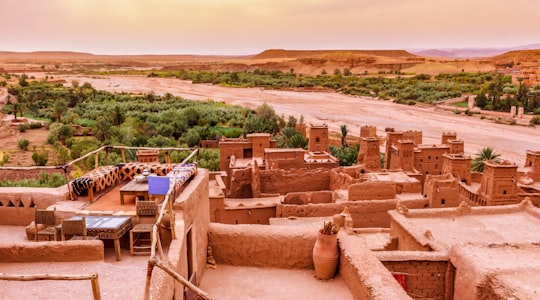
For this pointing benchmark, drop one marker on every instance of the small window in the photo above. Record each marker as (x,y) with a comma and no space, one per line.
(504,192)
(429,157)
(443,201)
(317,140)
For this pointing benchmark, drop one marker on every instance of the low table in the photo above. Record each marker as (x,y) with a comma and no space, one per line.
(107,228)
(134,187)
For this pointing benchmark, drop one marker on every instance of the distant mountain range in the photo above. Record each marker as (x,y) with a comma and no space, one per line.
(469,52)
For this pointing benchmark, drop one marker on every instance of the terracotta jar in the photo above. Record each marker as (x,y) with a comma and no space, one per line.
(325,255)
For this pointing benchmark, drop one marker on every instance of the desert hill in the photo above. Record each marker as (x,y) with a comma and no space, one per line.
(308,62)
(296,54)
(518,56)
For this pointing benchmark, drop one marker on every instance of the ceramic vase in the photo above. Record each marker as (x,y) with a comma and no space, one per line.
(325,256)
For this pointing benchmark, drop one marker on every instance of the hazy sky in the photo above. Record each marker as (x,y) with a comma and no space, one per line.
(251,26)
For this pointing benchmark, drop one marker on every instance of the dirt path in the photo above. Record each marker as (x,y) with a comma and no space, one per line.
(335,109)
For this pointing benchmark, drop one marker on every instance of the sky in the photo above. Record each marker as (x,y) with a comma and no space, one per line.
(236,27)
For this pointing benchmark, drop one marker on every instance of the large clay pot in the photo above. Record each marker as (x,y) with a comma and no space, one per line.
(325,256)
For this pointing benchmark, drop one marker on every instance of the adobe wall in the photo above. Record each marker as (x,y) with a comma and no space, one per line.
(299,198)
(287,247)
(425,278)
(252,215)
(406,242)
(342,177)
(17,204)
(191,213)
(364,274)
(24,252)
(370,190)
(240,186)
(302,180)
(364,213)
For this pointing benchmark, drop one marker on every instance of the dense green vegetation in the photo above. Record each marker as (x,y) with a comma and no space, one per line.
(124,119)
(406,89)
(45,180)
(500,94)
(135,120)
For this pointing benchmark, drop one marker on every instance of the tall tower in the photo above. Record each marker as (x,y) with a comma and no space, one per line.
(370,155)
(459,166)
(456,146)
(318,139)
(532,161)
(448,136)
(406,155)
(498,186)
(390,159)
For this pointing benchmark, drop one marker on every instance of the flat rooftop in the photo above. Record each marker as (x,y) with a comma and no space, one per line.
(515,224)
(512,269)
(238,282)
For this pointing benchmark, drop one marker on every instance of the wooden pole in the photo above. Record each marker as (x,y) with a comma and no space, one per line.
(149,269)
(96,160)
(123,155)
(92,277)
(183,281)
(95,288)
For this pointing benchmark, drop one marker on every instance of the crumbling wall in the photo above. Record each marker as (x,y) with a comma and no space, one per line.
(24,252)
(342,178)
(301,180)
(288,247)
(240,186)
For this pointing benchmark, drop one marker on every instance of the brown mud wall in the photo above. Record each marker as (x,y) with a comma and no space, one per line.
(17,204)
(425,279)
(287,247)
(364,213)
(366,277)
(25,252)
(191,214)
(302,180)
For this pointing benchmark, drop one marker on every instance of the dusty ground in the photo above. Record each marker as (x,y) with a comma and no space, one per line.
(335,109)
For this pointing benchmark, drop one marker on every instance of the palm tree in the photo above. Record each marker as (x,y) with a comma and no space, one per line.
(486,153)
(344,132)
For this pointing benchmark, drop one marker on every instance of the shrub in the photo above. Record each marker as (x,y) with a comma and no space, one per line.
(534,121)
(23,144)
(40,158)
(22,127)
(35,125)
(5,159)
(457,112)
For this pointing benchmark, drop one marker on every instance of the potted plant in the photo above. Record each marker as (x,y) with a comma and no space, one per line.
(325,251)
